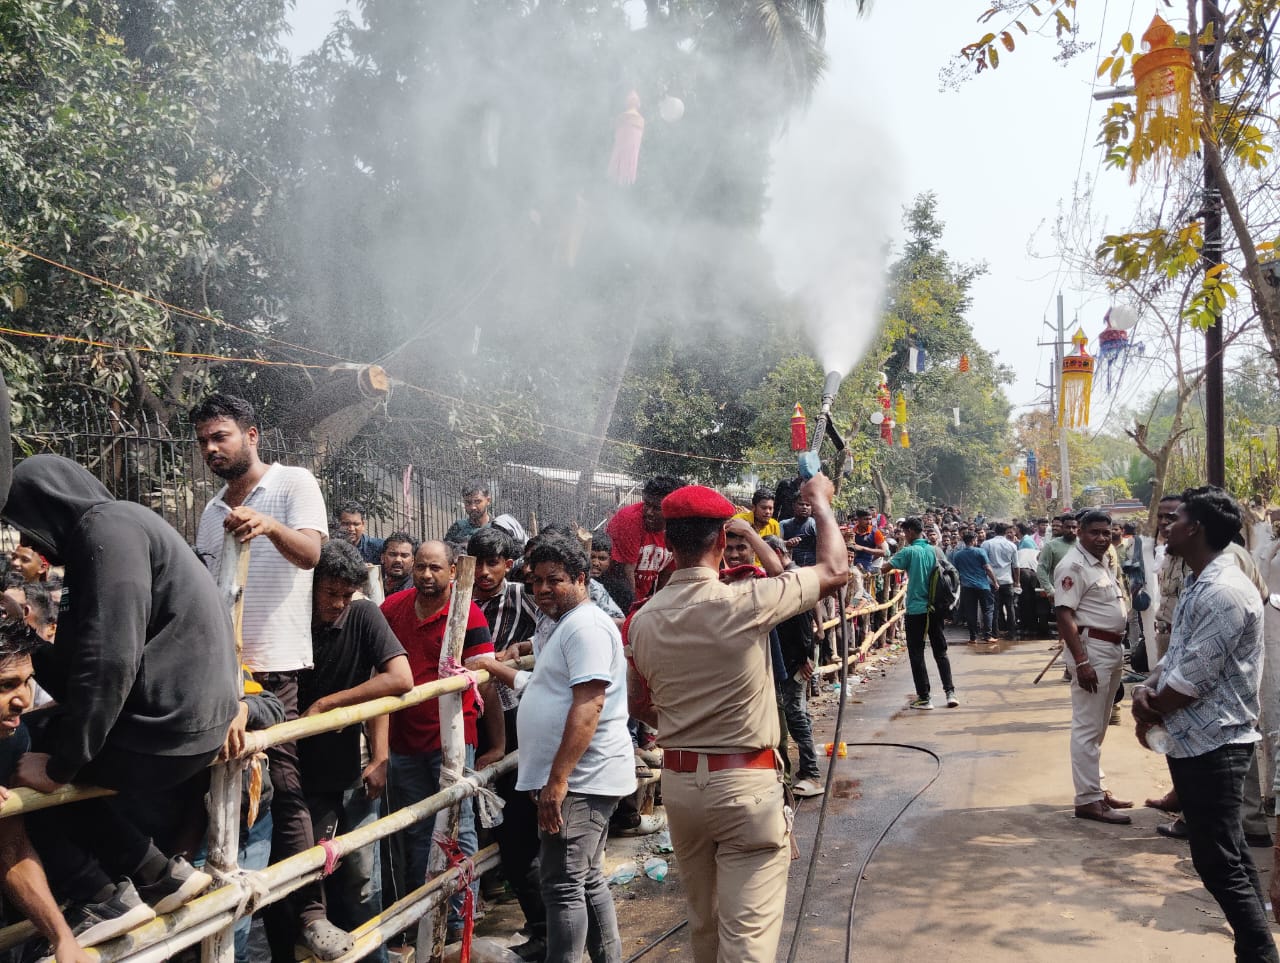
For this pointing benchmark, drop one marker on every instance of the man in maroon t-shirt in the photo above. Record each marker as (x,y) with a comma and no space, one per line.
(418,616)
(639,541)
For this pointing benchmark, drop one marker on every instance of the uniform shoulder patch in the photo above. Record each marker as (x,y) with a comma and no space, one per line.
(1066,582)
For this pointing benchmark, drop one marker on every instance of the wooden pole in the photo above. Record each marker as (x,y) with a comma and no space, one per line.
(432,928)
(225,781)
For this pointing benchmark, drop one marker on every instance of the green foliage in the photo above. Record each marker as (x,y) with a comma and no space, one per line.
(116,158)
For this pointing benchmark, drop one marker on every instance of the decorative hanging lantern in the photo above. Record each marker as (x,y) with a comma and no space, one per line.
(628,132)
(886,431)
(906,439)
(900,411)
(877,417)
(1076,384)
(1023,487)
(1031,464)
(964,364)
(1166,123)
(799,430)
(671,109)
(955,416)
(915,359)
(1008,472)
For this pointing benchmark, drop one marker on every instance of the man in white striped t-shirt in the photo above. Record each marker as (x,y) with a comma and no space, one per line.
(281,511)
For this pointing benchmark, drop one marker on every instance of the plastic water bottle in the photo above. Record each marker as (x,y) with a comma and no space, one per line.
(655,867)
(624,874)
(1159,740)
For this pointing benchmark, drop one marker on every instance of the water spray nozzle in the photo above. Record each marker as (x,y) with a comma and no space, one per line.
(810,462)
(829,389)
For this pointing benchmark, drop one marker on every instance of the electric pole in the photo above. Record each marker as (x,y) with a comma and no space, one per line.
(1211,254)
(1063,432)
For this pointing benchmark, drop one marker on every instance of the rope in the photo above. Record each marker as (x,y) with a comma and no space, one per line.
(450,667)
(331,857)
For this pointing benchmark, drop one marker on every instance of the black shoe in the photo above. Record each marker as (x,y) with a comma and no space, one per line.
(533,950)
(1174,830)
(180,882)
(94,923)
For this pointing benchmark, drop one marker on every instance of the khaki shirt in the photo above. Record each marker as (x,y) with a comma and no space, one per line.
(703,649)
(1090,588)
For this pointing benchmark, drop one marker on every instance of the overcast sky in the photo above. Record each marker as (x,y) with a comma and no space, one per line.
(1002,152)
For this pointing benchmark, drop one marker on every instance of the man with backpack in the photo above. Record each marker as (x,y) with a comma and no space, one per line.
(925,593)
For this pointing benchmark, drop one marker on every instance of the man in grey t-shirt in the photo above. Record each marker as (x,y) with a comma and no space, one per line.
(575,751)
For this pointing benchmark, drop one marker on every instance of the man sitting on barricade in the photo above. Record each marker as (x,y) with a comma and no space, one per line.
(145,676)
(357,658)
(22,878)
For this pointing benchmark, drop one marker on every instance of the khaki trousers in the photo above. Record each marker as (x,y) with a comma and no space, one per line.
(732,840)
(1090,716)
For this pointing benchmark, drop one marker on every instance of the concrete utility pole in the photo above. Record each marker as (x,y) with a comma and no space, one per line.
(1063,431)
(1211,254)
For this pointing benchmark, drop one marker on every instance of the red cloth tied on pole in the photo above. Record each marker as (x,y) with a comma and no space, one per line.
(456,857)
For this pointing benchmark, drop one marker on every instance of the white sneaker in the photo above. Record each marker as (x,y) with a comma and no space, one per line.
(806,788)
(952,701)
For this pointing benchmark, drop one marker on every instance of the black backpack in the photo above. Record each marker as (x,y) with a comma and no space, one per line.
(941,596)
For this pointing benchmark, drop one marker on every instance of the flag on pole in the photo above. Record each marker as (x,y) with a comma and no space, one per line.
(915,360)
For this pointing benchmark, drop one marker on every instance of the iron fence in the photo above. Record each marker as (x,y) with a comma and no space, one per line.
(144,461)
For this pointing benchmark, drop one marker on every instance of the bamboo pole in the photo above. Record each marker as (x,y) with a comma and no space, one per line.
(279,880)
(453,750)
(407,910)
(225,781)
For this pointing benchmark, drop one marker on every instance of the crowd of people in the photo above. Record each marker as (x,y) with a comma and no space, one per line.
(688,623)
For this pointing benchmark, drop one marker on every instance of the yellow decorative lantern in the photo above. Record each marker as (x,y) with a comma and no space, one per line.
(906,439)
(1166,122)
(900,411)
(1075,385)
(1023,487)
(1007,471)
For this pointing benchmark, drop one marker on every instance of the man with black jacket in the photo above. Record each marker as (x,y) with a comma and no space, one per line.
(145,675)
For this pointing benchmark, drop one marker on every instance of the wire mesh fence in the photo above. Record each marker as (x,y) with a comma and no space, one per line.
(144,461)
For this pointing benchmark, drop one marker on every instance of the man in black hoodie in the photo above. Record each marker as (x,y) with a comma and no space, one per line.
(144,673)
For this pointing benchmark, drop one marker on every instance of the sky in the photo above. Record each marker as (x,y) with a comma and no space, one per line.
(1003,153)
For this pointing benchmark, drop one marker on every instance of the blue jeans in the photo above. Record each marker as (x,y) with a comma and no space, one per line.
(1210,789)
(411,779)
(255,853)
(796,711)
(580,912)
(353,893)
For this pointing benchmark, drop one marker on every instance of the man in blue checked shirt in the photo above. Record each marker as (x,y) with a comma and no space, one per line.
(1204,693)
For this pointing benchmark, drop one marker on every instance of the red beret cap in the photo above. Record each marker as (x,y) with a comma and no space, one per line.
(696,501)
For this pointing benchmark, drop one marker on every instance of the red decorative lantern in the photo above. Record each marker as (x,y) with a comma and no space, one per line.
(628,132)
(799,430)
(964,364)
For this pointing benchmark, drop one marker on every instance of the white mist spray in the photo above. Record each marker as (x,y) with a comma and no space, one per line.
(833,201)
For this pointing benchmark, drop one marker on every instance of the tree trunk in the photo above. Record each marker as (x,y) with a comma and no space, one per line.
(884,494)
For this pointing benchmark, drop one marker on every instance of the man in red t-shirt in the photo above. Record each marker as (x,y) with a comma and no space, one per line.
(639,541)
(418,616)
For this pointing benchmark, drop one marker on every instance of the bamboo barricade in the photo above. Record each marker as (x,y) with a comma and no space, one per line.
(871,639)
(210,918)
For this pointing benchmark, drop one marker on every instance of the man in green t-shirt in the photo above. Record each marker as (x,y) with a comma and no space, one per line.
(918,560)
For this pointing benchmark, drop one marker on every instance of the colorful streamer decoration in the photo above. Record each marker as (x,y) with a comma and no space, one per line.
(1076,384)
(1166,123)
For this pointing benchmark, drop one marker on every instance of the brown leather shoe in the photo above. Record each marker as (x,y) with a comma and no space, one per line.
(1114,803)
(1099,812)
(1168,802)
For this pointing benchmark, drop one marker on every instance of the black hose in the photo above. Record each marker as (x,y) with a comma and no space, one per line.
(857,882)
(831,772)
(665,936)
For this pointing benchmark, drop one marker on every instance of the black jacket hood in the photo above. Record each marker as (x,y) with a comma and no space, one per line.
(48,497)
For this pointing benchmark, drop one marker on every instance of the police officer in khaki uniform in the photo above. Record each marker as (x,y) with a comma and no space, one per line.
(1092,609)
(702,650)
